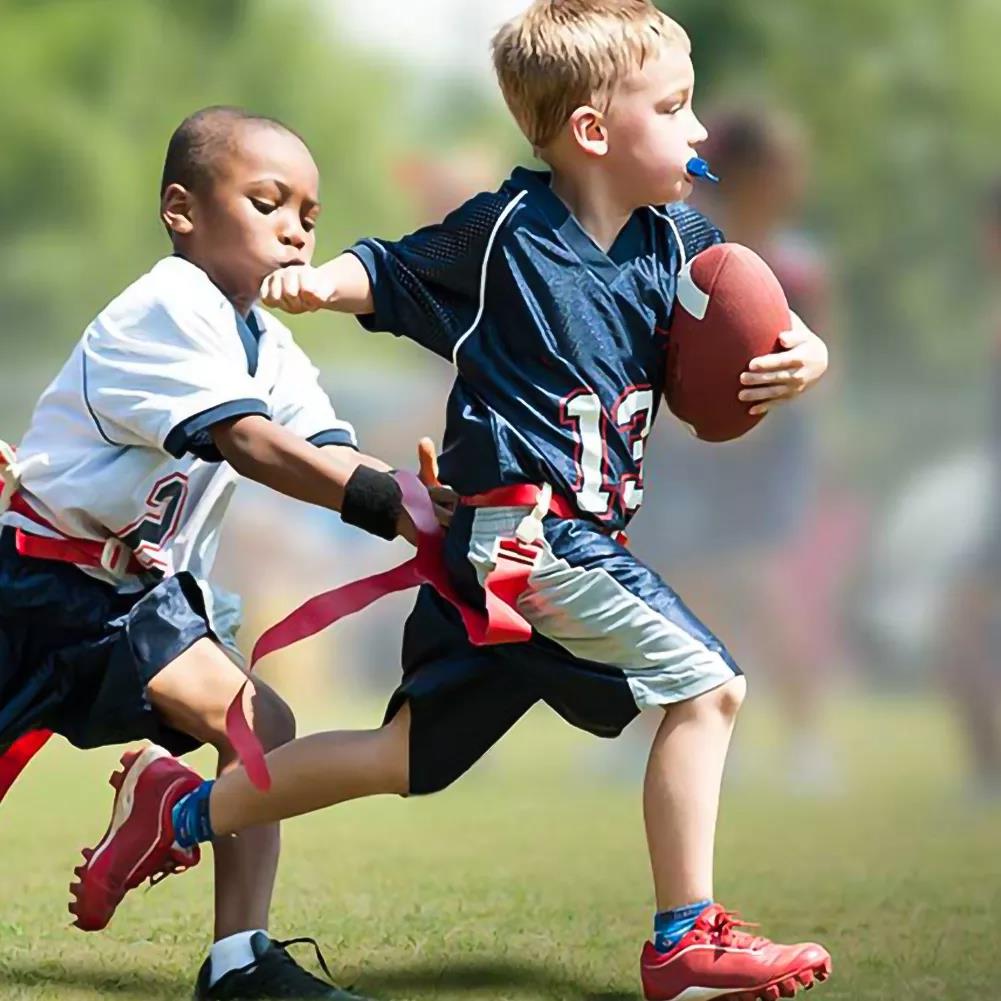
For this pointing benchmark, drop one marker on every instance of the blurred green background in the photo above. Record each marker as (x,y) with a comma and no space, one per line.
(901,99)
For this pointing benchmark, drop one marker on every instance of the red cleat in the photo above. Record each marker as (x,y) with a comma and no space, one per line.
(715,960)
(139,842)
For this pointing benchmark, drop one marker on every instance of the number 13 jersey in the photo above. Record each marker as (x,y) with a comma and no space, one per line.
(560,347)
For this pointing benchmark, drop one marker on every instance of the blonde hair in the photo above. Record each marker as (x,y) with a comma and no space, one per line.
(562,54)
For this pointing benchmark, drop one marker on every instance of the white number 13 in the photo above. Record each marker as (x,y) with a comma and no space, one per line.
(632,412)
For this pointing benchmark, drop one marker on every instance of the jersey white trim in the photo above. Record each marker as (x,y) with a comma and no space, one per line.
(675,230)
(693,300)
(483,275)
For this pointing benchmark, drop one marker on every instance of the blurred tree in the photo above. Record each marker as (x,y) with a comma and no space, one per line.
(100,85)
(902,99)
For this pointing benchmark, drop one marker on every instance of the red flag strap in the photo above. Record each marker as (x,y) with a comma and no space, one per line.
(500,623)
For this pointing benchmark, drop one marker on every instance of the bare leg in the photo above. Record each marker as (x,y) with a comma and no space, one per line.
(192,694)
(317,771)
(681,793)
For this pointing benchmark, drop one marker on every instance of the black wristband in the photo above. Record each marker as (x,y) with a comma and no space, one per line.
(373,501)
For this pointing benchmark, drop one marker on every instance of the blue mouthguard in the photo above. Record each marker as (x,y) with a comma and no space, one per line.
(697,167)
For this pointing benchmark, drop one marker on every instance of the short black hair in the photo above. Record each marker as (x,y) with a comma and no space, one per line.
(200,139)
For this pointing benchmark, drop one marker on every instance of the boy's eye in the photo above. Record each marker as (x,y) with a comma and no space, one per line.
(265,208)
(309,225)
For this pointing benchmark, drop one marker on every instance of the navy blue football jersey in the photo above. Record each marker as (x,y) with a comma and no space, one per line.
(559,347)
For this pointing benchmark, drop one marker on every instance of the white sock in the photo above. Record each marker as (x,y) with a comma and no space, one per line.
(232,953)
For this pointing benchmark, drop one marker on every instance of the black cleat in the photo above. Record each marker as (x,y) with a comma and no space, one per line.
(273,974)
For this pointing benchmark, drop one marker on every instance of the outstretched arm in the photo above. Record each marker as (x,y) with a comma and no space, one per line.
(335,476)
(428,286)
(342,285)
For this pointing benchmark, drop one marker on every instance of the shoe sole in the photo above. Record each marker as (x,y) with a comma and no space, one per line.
(786,987)
(782,987)
(93,903)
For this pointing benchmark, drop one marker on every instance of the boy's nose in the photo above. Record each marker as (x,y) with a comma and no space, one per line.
(701,133)
(294,236)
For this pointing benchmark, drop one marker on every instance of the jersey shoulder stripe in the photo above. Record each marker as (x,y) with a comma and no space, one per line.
(693,231)
(498,224)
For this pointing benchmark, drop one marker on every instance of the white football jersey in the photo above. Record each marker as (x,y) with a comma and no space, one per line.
(118,445)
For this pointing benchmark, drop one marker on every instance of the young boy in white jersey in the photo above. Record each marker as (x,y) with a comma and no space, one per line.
(553,297)
(109,631)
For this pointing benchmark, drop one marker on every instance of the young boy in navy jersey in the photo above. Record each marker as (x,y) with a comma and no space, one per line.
(553,298)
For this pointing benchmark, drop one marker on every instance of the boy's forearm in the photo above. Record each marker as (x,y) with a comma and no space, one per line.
(351,284)
(270,454)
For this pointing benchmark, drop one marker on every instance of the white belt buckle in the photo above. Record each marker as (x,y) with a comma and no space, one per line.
(529,530)
(10,475)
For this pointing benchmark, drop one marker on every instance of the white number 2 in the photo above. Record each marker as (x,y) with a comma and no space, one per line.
(632,412)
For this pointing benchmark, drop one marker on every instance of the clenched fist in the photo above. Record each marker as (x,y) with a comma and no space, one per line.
(299,289)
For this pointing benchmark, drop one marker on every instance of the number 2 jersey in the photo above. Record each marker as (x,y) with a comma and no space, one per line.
(559,347)
(119,443)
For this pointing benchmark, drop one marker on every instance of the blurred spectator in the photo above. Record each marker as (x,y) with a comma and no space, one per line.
(971,654)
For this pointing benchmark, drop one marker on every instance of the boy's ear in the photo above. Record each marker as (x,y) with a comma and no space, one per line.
(175,209)
(588,129)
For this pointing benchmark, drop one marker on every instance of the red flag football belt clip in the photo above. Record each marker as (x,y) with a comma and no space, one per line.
(112,555)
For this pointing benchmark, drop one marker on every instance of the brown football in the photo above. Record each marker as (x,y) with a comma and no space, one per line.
(730,308)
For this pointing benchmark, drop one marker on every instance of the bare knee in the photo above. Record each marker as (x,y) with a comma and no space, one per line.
(274,722)
(270,718)
(732,695)
(194,692)
(724,700)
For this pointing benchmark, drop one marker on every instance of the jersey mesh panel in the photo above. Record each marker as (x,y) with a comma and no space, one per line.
(428,264)
(697,232)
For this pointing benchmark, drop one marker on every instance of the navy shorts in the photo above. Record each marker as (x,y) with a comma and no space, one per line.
(610,638)
(76,656)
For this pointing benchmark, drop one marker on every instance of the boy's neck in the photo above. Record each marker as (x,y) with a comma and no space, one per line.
(600,214)
(242,304)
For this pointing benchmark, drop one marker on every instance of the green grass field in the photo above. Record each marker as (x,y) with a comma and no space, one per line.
(528,880)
